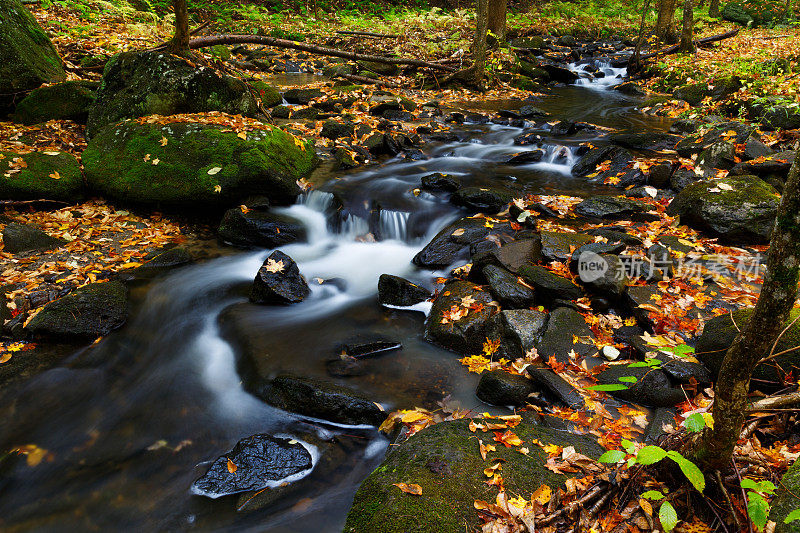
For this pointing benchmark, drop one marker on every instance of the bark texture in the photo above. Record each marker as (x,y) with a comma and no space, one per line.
(755,340)
(497,18)
(180,41)
(665,24)
(687,33)
(713,9)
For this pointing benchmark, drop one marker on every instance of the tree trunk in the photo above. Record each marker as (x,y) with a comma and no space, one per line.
(180,41)
(713,9)
(634,65)
(497,18)
(687,33)
(479,43)
(665,25)
(755,340)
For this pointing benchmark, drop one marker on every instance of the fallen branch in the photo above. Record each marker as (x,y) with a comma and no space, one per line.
(568,509)
(213,40)
(676,48)
(372,81)
(368,34)
(772,402)
(4,203)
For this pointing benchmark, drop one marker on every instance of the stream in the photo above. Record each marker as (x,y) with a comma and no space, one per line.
(132,421)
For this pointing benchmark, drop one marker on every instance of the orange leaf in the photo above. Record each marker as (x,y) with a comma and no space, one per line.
(409,488)
(232,466)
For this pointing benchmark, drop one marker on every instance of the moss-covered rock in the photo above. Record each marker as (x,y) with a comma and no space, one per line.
(198,164)
(137,84)
(695,93)
(786,501)
(444,460)
(269,95)
(737,208)
(718,335)
(754,13)
(89,312)
(70,100)
(50,175)
(464,330)
(27,57)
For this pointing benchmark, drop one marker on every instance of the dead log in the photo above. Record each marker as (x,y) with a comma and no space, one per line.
(676,48)
(368,34)
(371,81)
(213,40)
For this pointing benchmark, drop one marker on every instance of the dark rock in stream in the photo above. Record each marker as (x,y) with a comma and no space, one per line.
(255,463)
(88,312)
(661,423)
(612,207)
(464,330)
(507,289)
(278,281)
(25,238)
(498,387)
(302,96)
(453,243)
(558,246)
(512,256)
(479,199)
(618,158)
(555,388)
(559,74)
(260,229)
(611,282)
(518,330)
(523,158)
(394,290)
(645,141)
(364,345)
(320,399)
(549,285)
(439,181)
(563,325)
(652,386)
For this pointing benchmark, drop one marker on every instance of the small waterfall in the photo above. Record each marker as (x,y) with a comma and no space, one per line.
(598,74)
(393,225)
(317,200)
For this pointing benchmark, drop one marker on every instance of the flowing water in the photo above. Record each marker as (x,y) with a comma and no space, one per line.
(133,420)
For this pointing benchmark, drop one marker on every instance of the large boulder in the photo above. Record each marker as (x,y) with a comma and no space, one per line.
(255,463)
(27,57)
(260,229)
(88,312)
(498,387)
(452,243)
(566,332)
(137,84)
(70,100)
(194,165)
(24,238)
(458,317)
(443,460)
(695,93)
(718,335)
(736,208)
(35,175)
(549,285)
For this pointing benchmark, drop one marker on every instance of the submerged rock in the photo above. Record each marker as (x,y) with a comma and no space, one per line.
(444,460)
(736,208)
(458,317)
(394,290)
(278,281)
(255,463)
(37,175)
(88,312)
(260,229)
(320,399)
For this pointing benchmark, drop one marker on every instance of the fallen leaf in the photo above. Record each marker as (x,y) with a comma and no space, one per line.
(409,488)
(211,171)
(232,466)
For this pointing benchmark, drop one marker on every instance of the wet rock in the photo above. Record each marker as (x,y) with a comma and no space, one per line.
(615,234)
(269,95)
(278,281)
(645,141)
(598,248)
(334,130)
(563,325)
(366,345)
(518,330)
(27,57)
(305,113)
(319,399)
(755,149)
(442,459)
(617,157)
(564,127)
(528,139)
(137,84)
(70,100)
(775,164)
(394,290)
(557,246)
(30,176)
(91,311)
(158,263)
(555,388)
(549,285)
(24,238)
(481,200)
(392,104)
(506,289)
(631,337)
(684,126)
(260,229)
(720,155)
(259,461)
(630,88)
(452,243)
(660,175)
(718,335)
(498,387)
(652,388)
(639,295)
(695,93)
(686,372)
(524,158)
(736,208)
(661,423)
(780,117)
(302,96)
(439,181)
(343,158)
(511,256)
(682,178)
(610,281)
(529,111)
(696,143)
(559,74)
(453,324)
(611,207)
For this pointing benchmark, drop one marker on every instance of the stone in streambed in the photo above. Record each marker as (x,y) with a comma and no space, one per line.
(394,290)
(555,388)
(278,281)
(548,284)
(498,387)
(652,386)
(507,289)
(618,159)
(563,325)
(518,330)
(260,229)
(439,181)
(36,175)
(524,158)
(611,207)
(558,246)
(458,317)
(453,243)
(24,238)
(255,463)
(302,96)
(479,199)
(511,256)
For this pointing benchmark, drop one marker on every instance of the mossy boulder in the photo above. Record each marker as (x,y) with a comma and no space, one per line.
(754,13)
(444,460)
(137,84)
(736,208)
(50,175)
(191,165)
(88,312)
(27,57)
(269,95)
(695,93)
(70,100)
(786,501)
(718,335)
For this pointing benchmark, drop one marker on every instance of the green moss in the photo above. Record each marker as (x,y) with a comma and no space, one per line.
(444,460)
(69,100)
(269,95)
(34,181)
(785,501)
(348,88)
(195,160)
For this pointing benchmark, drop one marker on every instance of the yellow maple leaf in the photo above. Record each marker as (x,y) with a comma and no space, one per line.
(274,266)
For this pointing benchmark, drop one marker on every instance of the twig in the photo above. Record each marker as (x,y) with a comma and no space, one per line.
(572,506)
(368,34)
(778,338)
(373,81)
(24,202)
(772,402)
(736,521)
(710,505)
(744,496)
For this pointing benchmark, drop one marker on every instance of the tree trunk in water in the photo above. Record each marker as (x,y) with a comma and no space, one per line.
(687,33)
(665,26)
(497,18)
(713,9)
(755,340)
(180,41)
(479,44)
